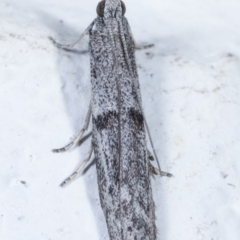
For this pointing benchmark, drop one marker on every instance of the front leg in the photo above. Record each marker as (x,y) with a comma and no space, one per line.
(69,46)
(138,46)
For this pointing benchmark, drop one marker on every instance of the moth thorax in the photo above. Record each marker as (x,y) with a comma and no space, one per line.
(115,28)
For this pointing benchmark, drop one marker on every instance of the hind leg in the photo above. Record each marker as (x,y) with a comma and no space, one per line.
(79,170)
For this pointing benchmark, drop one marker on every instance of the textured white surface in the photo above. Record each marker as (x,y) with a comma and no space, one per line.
(190,86)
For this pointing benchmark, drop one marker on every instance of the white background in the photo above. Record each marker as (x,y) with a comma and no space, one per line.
(190,83)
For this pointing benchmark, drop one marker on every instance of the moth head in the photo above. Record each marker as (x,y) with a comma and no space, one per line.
(110,8)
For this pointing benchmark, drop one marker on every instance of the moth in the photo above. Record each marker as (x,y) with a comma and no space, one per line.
(119,127)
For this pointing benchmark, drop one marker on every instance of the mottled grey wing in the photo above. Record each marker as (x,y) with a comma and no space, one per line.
(119,140)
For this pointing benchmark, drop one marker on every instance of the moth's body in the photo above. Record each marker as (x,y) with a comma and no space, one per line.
(118,133)
(122,163)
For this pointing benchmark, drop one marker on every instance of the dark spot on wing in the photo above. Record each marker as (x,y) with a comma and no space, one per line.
(137,118)
(103,121)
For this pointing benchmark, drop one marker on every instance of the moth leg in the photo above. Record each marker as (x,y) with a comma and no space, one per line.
(137,46)
(140,47)
(150,156)
(73,44)
(79,136)
(79,170)
(157,172)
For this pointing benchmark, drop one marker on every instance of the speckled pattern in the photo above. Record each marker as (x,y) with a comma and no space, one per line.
(119,138)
